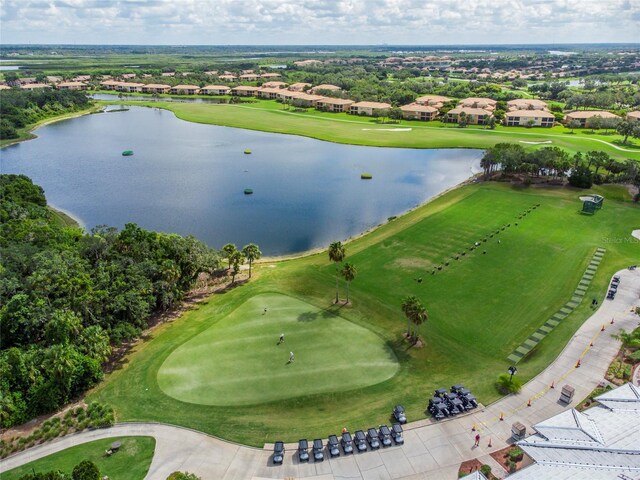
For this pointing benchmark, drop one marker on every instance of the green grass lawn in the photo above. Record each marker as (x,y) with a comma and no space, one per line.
(130,462)
(481,307)
(240,361)
(270,116)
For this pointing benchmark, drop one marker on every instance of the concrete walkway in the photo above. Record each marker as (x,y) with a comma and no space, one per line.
(431,451)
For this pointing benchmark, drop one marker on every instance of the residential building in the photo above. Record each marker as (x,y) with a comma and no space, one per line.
(527,104)
(215,90)
(475,116)
(433,100)
(417,111)
(185,90)
(156,88)
(478,102)
(168,74)
(367,108)
(53,79)
(211,72)
(304,63)
(336,105)
(72,86)
(5,87)
(298,87)
(249,77)
(268,92)
(110,84)
(83,78)
(129,87)
(325,86)
(271,75)
(633,116)
(128,76)
(601,443)
(274,85)
(34,86)
(227,77)
(26,80)
(244,91)
(583,115)
(529,118)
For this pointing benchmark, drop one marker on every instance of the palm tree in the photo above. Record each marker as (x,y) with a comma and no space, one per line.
(229,249)
(414,311)
(409,305)
(420,315)
(336,254)
(236,259)
(349,272)
(251,253)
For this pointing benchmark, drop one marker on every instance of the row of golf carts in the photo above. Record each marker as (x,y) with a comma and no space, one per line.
(448,403)
(383,436)
(613,287)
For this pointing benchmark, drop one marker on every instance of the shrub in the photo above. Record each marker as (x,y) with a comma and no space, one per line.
(515,454)
(86,470)
(511,466)
(485,470)
(635,356)
(506,385)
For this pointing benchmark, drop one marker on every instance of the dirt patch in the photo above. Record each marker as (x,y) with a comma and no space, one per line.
(413,262)
(510,463)
(471,466)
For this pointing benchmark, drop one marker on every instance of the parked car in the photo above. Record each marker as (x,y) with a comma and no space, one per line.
(303,450)
(318,447)
(373,439)
(347,443)
(396,433)
(333,446)
(385,435)
(360,441)
(278,453)
(399,415)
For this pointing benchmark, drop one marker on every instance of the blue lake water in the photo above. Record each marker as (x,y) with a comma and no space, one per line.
(190,178)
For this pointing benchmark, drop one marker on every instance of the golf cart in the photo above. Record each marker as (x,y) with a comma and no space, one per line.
(333,446)
(399,415)
(318,455)
(303,447)
(384,434)
(278,453)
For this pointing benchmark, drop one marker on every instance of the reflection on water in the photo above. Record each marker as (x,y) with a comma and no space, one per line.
(190,178)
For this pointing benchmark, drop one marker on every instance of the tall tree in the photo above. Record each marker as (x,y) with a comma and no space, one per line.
(625,129)
(337,254)
(409,306)
(229,249)
(251,252)
(236,259)
(349,273)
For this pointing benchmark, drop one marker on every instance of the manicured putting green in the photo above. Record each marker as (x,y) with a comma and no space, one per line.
(238,361)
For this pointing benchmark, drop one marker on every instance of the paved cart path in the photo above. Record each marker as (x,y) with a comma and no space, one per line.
(432,450)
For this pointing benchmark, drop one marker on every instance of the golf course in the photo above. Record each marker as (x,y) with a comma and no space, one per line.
(491,262)
(270,116)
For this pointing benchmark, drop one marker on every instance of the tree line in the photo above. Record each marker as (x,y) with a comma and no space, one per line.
(508,159)
(20,108)
(67,297)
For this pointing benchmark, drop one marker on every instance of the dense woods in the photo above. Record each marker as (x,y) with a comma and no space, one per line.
(67,297)
(19,108)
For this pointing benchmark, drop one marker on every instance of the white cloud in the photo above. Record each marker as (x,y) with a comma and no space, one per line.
(319,21)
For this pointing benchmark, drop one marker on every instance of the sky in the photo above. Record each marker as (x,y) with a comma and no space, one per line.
(318,22)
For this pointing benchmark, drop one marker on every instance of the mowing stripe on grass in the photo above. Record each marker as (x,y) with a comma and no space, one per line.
(531,342)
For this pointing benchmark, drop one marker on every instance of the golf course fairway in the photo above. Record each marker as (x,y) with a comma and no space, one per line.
(241,361)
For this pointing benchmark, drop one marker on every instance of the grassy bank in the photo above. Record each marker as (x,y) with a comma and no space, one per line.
(131,461)
(481,305)
(270,116)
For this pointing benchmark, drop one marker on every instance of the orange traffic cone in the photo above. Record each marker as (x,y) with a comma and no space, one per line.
(578,364)
(473,429)
(552,385)
(529,403)
(489,443)
(602,329)
(611,320)
(501,416)
(591,344)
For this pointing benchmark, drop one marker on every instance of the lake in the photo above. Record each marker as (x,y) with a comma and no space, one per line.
(190,178)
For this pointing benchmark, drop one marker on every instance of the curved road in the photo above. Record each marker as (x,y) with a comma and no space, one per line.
(431,450)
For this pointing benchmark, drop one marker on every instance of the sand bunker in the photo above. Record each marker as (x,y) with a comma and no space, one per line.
(636,234)
(536,143)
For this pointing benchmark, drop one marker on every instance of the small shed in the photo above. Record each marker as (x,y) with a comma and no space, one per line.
(591,203)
